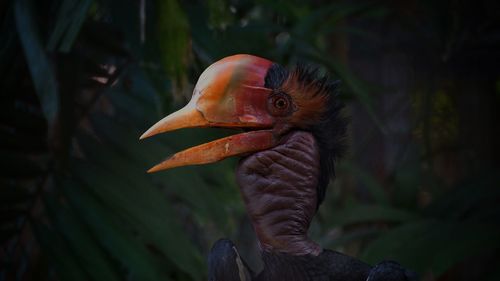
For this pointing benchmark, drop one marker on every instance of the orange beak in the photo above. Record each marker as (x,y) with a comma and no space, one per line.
(229,94)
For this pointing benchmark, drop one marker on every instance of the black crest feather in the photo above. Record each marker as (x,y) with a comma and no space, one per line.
(330,130)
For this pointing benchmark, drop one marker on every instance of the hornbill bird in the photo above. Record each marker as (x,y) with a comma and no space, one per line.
(292,134)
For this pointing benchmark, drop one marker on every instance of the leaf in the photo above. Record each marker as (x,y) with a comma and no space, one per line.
(407,181)
(327,17)
(88,253)
(173,35)
(361,213)
(293,10)
(350,236)
(475,197)
(358,87)
(113,235)
(433,244)
(122,141)
(40,67)
(103,41)
(219,13)
(134,97)
(68,268)
(144,206)
(69,21)
(376,190)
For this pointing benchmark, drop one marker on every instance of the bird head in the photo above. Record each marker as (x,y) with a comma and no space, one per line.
(264,99)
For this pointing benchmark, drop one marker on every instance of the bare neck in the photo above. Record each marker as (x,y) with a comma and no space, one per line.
(279,190)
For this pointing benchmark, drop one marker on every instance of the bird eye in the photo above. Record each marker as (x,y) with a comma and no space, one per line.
(279,104)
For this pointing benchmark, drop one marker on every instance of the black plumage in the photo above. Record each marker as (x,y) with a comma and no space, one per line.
(225,264)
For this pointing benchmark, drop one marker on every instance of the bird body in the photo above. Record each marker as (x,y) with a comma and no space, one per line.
(225,264)
(294,133)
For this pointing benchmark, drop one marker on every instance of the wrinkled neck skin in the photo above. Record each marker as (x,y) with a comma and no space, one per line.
(278,187)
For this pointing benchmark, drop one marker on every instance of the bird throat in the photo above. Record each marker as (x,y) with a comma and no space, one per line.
(279,188)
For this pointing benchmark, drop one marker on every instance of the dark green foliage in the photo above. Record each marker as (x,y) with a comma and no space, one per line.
(80,80)
(40,67)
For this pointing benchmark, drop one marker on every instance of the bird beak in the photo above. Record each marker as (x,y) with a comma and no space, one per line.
(229,94)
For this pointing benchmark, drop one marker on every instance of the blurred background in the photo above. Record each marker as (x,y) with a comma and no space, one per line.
(80,80)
